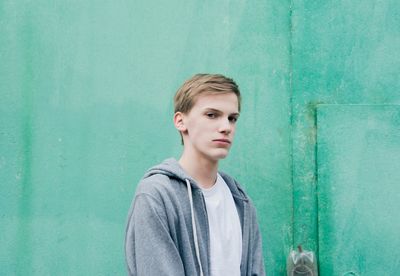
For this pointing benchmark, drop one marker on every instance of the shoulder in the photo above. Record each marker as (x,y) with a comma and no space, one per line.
(153,185)
(235,187)
(160,187)
(238,191)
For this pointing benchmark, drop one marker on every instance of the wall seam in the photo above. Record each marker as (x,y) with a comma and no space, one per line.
(291,114)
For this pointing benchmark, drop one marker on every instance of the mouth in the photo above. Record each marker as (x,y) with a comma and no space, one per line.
(222,141)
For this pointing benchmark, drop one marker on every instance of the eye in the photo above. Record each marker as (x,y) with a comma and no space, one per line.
(232,119)
(211,115)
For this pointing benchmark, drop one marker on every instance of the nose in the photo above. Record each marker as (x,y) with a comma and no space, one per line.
(225,126)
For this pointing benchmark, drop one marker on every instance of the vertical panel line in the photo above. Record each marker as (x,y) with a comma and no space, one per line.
(291,114)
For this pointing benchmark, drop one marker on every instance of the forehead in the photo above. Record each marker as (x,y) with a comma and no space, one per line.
(227,102)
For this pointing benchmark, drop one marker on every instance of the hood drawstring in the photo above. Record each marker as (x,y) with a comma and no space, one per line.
(196,242)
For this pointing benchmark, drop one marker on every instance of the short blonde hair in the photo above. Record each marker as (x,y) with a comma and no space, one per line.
(187,94)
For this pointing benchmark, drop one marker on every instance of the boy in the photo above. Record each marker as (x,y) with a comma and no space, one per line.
(187,218)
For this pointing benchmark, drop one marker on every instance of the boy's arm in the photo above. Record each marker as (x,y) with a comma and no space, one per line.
(149,248)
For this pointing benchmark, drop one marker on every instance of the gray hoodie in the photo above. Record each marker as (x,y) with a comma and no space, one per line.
(160,239)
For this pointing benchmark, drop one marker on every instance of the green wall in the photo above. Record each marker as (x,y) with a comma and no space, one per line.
(86,107)
(344,53)
(358,160)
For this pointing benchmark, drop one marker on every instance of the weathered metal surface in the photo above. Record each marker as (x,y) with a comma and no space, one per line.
(343,52)
(86,107)
(358,158)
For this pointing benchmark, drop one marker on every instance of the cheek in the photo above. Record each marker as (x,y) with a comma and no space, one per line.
(233,129)
(206,127)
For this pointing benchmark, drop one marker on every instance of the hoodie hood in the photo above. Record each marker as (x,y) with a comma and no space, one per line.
(171,168)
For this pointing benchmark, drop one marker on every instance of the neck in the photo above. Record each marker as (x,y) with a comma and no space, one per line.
(201,169)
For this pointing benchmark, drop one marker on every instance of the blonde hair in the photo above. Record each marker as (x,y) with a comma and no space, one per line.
(187,94)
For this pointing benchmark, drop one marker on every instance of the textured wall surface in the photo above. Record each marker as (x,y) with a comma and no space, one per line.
(343,52)
(86,107)
(358,163)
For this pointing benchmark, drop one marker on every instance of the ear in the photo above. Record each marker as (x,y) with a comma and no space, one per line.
(179,121)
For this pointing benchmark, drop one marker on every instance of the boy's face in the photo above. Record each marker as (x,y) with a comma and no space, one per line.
(209,127)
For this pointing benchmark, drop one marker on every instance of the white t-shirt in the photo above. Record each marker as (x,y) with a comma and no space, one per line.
(225,230)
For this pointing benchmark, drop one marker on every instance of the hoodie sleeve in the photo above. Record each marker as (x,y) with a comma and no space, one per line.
(257,252)
(149,247)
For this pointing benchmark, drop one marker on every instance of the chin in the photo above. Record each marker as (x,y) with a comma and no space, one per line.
(219,155)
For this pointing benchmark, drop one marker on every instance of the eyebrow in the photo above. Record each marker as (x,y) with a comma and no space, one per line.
(219,111)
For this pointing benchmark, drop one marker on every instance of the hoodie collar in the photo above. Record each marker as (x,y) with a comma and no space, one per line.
(173,169)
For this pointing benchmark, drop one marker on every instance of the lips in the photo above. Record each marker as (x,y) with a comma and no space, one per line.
(222,141)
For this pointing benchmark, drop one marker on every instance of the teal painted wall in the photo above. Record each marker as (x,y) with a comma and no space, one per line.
(343,52)
(86,107)
(86,93)
(358,164)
